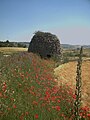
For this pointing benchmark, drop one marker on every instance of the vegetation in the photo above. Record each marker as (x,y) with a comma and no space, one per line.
(66,75)
(11,50)
(78,87)
(11,44)
(72,54)
(29,90)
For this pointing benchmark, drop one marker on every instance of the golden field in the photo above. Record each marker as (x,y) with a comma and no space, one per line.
(10,50)
(66,74)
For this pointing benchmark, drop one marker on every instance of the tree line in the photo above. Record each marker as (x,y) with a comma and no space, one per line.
(11,44)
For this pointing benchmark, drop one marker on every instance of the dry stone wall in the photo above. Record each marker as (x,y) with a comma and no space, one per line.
(45,44)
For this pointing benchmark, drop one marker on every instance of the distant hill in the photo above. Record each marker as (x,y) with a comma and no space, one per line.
(64,46)
(68,46)
(25,43)
(86,46)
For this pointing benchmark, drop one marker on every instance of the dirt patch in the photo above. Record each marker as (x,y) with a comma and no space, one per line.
(66,74)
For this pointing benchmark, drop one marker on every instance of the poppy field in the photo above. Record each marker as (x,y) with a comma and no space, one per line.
(30,91)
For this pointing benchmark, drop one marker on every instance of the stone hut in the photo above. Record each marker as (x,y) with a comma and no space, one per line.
(45,44)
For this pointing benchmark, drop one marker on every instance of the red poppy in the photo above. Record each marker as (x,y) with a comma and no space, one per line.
(36,116)
(88,115)
(35,103)
(14,106)
(58,108)
(58,101)
(26,113)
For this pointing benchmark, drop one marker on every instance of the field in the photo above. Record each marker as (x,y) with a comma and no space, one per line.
(72,54)
(10,50)
(29,90)
(66,74)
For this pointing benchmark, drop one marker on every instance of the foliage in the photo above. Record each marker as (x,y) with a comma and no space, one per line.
(21,45)
(65,60)
(29,91)
(72,54)
(6,44)
(78,88)
(11,44)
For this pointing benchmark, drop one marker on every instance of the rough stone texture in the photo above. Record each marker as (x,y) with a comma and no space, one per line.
(45,44)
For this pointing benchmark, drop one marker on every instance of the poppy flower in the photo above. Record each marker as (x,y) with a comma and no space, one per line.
(36,116)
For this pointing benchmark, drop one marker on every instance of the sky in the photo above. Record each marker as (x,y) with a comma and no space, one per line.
(68,19)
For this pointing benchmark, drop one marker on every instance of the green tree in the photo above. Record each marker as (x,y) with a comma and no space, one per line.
(7,41)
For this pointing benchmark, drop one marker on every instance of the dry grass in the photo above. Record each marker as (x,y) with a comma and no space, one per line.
(66,74)
(10,50)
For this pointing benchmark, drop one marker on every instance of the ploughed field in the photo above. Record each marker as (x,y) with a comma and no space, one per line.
(66,74)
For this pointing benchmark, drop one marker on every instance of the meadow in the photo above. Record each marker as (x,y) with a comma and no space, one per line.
(29,90)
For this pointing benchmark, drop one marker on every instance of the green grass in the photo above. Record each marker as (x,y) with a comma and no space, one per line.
(28,90)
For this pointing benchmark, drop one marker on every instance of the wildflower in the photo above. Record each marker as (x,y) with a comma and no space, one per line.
(4,87)
(36,76)
(36,116)
(74,96)
(35,103)
(53,98)
(58,108)
(85,108)
(26,113)
(81,114)
(22,117)
(53,107)
(88,114)
(47,94)
(84,116)
(58,101)
(14,106)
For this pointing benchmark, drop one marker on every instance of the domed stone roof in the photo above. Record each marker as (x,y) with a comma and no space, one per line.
(45,44)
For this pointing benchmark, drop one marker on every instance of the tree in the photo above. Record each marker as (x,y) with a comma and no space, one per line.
(7,41)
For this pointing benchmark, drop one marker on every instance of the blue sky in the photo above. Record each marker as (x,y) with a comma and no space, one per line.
(68,19)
